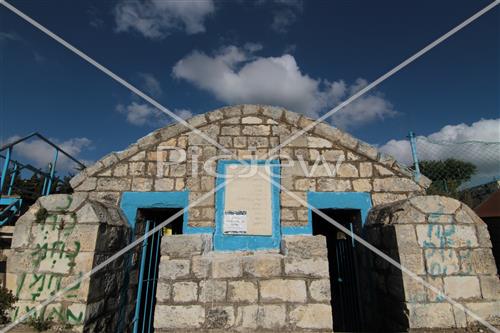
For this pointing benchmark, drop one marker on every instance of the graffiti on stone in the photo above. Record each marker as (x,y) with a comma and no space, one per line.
(53,257)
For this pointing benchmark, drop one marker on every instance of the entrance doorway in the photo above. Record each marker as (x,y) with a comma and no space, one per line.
(149,261)
(342,259)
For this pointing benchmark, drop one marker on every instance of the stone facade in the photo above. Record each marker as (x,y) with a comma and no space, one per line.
(445,244)
(325,159)
(59,239)
(265,291)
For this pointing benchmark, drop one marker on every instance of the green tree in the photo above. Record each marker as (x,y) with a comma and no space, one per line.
(447,175)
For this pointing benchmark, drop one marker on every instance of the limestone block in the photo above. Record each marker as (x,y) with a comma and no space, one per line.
(179,317)
(215,115)
(461,287)
(320,290)
(262,265)
(230,130)
(163,291)
(435,204)
(313,267)
(213,291)
(312,316)
(183,292)
(478,261)
(172,269)
(383,171)
(431,315)
(490,287)
(283,290)
(181,246)
(394,184)
(164,184)
(141,184)
(242,291)
(272,317)
(441,261)
(365,169)
(198,120)
(316,142)
(367,150)
(113,184)
(220,317)
(334,185)
(288,200)
(226,267)
(251,120)
(347,170)
(362,185)
(304,246)
(385,198)
(486,310)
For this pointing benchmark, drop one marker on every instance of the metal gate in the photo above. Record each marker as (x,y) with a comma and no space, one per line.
(346,314)
(342,259)
(148,277)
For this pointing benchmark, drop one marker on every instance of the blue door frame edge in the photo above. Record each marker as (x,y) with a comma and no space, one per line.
(338,200)
(131,201)
(240,242)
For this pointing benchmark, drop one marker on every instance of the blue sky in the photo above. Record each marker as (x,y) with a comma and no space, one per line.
(194,57)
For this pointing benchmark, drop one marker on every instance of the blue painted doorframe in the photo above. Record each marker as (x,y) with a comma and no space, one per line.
(335,200)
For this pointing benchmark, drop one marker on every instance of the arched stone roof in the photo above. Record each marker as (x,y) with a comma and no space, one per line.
(277,114)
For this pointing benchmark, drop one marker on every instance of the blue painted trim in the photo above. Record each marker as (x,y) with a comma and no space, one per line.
(131,201)
(242,242)
(338,200)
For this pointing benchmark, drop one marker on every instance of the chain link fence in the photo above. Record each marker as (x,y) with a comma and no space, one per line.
(452,166)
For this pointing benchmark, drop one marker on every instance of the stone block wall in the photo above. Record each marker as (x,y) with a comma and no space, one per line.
(446,244)
(266,291)
(248,132)
(59,239)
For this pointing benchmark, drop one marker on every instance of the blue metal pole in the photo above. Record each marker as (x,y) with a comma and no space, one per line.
(155,269)
(5,168)
(141,277)
(148,282)
(413,144)
(52,172)
(12,179)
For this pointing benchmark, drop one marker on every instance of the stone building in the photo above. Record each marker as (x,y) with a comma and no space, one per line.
(251,256)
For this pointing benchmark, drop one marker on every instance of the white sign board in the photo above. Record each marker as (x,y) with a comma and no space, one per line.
(248,201)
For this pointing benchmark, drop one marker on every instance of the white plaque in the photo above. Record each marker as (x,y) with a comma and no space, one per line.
(235,222)
(248,192)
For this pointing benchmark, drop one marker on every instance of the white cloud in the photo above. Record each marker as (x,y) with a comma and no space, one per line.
(155,19)
(283,19)
(151,84)
(142,114)
(40,154)
(236,75)
(285,13)
(462,141)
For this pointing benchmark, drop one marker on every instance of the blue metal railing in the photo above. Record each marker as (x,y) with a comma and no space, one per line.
(12,168)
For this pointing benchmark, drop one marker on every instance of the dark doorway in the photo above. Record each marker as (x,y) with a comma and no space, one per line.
(343,267)
(149,261)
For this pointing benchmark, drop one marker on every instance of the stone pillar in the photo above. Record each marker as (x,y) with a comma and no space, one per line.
(60,238)
(265,291)
(445,243)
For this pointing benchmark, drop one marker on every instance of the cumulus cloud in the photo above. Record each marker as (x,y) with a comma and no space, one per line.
(285,13)
(151,84)
(478,143)
(155,19)
(142,114)
(237,75)
(40,154)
